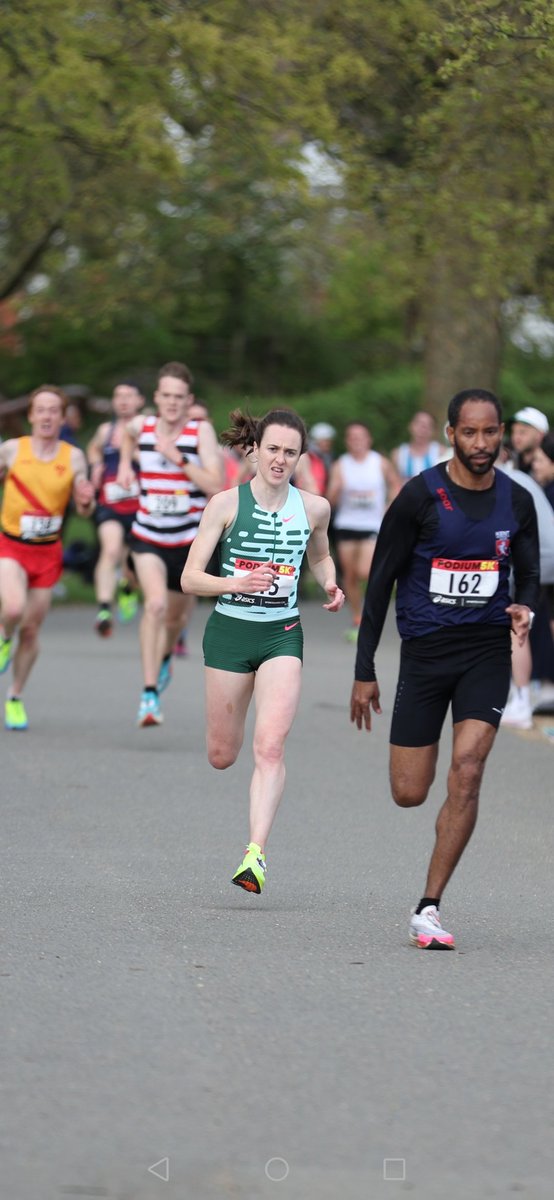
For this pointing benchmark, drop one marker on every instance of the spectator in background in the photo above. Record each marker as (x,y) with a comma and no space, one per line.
(531,659)
(422,451)
(115,510)
(362,483)
(320,453)
(72,425)
(528,428)
(543,647)
(542,466)
(199,412)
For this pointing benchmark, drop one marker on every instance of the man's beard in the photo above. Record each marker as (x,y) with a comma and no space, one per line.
(469,461)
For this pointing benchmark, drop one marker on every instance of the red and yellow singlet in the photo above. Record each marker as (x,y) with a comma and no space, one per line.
(36,494)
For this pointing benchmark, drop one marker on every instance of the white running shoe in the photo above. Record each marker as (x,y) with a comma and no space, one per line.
(542,696)
(518,713)
(426,930)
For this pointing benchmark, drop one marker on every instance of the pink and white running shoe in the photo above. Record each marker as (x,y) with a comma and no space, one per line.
(426,931)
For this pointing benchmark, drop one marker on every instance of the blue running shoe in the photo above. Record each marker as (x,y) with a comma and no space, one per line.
(149,712)
(164,677)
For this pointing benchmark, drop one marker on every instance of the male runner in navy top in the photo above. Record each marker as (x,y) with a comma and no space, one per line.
(450,540)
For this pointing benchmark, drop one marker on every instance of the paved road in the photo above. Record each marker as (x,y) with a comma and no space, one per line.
(277,1047)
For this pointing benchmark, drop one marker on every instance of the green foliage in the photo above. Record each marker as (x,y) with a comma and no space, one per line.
(384,401)
(155,154)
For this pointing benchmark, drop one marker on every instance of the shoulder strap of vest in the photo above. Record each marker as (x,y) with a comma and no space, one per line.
(433,479)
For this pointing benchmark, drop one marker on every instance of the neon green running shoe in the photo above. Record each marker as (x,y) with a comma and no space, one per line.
(251,873)
(104,623)
(5,653)
(16,717)
(127,604)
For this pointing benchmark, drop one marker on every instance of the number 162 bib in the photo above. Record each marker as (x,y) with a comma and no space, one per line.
(463,582)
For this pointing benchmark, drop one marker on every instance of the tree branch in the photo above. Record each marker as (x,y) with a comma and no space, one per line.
(16,277)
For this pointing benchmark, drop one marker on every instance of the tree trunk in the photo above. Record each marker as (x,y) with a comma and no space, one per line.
(462,334)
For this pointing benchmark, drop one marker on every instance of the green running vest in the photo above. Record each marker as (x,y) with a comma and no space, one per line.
(258,536)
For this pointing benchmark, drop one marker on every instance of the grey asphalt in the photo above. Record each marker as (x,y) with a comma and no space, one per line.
(290,1046)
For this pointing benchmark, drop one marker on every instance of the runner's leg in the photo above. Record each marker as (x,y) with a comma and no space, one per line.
(348,554)
(13,594)
(366,550)
(228,694)
(412,771)
(152,576)
(456,820)
(178,609)
(111,538)
(276,693)
(36,608)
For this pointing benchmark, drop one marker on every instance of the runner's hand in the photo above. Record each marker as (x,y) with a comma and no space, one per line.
(84,492)
(258,580)
(166,447)
(336,598)
(125,476)
(521,624)
(365,696)
(96,473)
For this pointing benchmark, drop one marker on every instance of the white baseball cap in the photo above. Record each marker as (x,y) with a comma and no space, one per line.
(532,416)
(322,430)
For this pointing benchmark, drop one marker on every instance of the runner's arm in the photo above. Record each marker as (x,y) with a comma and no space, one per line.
(210,476)
(335,485)
(126,474)
(304,475)
(8,451)
(218,515)
(83,491)
(392,479)
(320,562)
(525,551)
(397,537)
(95,454)
(95,447)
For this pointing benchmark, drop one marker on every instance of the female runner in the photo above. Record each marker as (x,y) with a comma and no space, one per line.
(253,640)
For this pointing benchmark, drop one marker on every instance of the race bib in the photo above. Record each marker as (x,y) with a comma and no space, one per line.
(114,493)
(464,583)
(361,500)
(168,504)
(33,527)
(277,596)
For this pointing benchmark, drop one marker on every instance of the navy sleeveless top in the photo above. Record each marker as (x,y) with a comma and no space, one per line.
(461,575)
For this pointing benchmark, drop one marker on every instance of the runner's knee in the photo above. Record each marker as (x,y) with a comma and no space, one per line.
(221,756)
(12,612)
(466,771)
(408,792)
(28,633)
(156,606)
(268,749)
(110,556)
